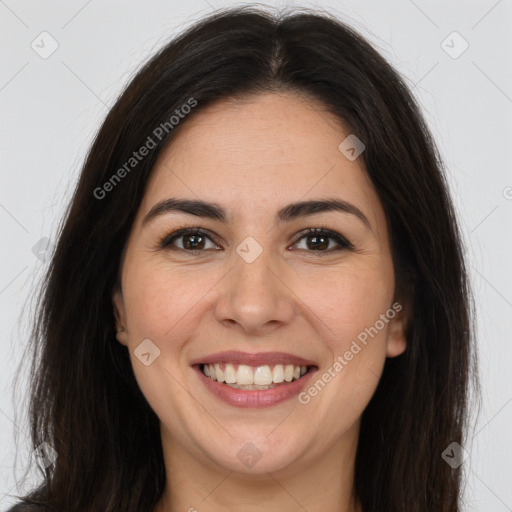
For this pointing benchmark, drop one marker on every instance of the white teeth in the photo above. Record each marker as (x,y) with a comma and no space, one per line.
(262,376)
(248,377)
(288,373)
(278,374)
(244,375)
(230,374)
(219,373)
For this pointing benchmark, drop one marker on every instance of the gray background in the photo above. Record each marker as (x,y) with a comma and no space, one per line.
(51,108)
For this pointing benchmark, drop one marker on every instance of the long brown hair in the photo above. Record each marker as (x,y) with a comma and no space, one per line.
(85,402)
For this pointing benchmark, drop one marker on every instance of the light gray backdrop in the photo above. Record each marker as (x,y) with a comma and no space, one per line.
(64,62)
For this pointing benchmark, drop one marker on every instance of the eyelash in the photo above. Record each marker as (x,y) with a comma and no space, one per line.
(168,239)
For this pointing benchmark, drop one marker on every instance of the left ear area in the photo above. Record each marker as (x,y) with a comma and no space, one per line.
(119,315)
(396,340)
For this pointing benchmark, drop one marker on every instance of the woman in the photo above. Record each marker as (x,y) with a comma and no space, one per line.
(258,299)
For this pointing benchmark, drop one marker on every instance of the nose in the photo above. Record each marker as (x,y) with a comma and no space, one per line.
(255,297)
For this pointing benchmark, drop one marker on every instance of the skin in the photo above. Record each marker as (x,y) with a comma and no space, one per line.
(253,156)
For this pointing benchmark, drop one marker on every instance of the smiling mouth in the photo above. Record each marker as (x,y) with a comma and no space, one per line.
(245,377)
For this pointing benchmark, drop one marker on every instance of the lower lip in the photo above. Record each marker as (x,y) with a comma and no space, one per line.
(254,397)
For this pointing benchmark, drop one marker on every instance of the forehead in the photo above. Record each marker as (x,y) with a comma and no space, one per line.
(258,153)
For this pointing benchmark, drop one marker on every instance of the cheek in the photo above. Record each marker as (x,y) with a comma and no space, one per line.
(350,304)
(162,306)
(350,300)
(162,301)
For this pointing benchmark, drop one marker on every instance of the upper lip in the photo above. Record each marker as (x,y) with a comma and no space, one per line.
(254,359)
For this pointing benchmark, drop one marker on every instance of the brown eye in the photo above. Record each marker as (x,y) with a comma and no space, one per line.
(188,240)
(195,240)
(320,239)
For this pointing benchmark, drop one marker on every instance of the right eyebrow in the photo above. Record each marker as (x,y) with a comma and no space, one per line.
(190,206)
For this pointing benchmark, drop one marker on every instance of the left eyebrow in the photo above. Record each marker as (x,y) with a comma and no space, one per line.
(305,208)
(290,212)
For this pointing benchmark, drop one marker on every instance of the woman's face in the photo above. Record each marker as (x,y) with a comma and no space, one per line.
(255,282)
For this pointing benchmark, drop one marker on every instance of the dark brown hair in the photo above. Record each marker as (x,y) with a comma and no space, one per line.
(84,399)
